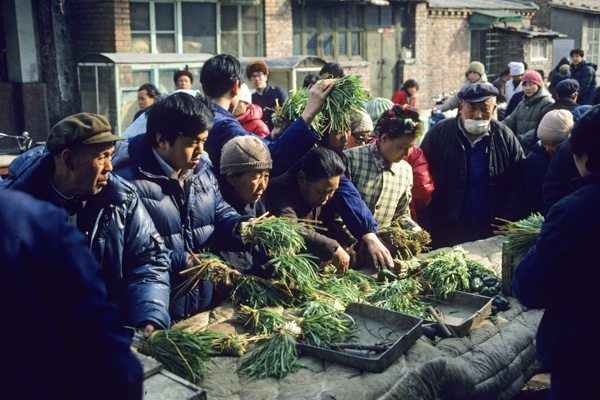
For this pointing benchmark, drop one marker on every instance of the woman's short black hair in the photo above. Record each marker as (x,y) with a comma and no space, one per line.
(179,114)
(219,74)
(399,121)
(333,69)
(409,84)
(152,91)
(585,138)
(310,80)
(319,163)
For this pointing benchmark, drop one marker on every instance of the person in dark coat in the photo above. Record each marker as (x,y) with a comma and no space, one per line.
(566,92)
(65,339)
(267,97)
(560,274)
(478,168)
(302,192)
(564,72)
(75,174)
(180,190)
(584,73)
(553,130)
(245,171)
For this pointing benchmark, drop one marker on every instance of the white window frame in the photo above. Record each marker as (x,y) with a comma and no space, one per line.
(540,41)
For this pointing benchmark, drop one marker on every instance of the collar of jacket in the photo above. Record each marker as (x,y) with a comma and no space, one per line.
(592,177)
(540,94)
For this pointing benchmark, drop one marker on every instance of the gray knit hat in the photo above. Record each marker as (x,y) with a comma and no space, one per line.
(361,123)
(377,106)
(476,67)
(245,153)
(556,126)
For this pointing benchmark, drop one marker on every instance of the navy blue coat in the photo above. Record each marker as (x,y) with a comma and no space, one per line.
(586,76)
(560,273)
(186,223)
(558,182)
(266,101)
(134,259)
(64,339)
(537,165)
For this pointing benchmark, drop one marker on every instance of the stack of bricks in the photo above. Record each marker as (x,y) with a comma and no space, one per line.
(278,28)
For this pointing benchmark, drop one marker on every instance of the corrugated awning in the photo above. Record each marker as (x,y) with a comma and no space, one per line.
(491,18)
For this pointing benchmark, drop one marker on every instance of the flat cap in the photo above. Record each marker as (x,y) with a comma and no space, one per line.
(83,128)
(567,87)
(476,92)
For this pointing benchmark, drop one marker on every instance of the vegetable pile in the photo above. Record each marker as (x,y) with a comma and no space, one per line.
(521,235)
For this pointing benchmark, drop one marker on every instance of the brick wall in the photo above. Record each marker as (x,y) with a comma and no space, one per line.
(278,28)
(100,26)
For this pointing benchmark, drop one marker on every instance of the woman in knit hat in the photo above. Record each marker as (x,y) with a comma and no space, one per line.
(475,74)
(552,131)
(361,127)
(523,121)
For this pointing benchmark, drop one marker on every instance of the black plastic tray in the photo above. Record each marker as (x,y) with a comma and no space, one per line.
(375,327)
(465,311)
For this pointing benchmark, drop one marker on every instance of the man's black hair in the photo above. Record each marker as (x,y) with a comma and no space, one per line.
(219,74)
(577,51)
(310,80)
(152,91)
(585,138)
(179,114)
(333,69)
(319,163)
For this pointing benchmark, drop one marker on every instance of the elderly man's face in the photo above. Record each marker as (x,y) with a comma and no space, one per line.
(91,165)
(483,110)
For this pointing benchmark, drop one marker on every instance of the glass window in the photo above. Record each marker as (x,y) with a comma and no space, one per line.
(140,77)
(372,17)
(139,15)
(165,43)
(229,21)
(198,38)
(327,38)
(355,42)
(342,43)
(165,16)
(538,49)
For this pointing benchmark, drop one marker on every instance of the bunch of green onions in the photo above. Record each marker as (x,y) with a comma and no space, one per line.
(446,272)
(326,330)
(257,292)
(276,235)
(293,107)
(210,268)
(260,321)
(521,235)
(346,99)
(400,295)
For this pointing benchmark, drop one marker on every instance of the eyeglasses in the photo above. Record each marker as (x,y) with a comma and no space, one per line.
(257,75)
(360,139)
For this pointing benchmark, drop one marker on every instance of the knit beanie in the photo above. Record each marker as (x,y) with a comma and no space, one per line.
(245,95)
(533,76)
(377,106)
(476,67)
(361,123)
(555,126)
(245,153)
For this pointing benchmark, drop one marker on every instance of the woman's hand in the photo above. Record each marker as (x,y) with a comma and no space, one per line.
(341,260)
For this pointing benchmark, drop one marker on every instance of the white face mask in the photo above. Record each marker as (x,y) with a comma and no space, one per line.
(476,126)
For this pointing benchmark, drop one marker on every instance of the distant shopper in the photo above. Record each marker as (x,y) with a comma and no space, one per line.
(267,97)
(361,127)
(584,73)
(407,94)
(147,95)
(517,70)
(332,70)
(566,96)
(564,72)
(555,70)
(183,79)
(500,84)
(474,74)
(310,80)
(250,115)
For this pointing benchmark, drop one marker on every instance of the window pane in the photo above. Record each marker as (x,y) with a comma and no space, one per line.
(326,22)
(297,44)
(165,80)
(229,18)
(341,17)
(229,44)
(386,16)
(165,16)
(401,17)
(311,44)
(139,15)
(87,86)
(372,17)
(165,43)
(296,17)
(327,38)
(311,20)
(140,43)
(355,40)
(342,44)
(106,94)
(250,46)
(140,77)
(198,38)
(250,18)
(353,17)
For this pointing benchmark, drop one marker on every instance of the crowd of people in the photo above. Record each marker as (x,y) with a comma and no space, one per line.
(144,207)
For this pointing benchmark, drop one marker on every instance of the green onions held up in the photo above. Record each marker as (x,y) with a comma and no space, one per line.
(293,107)
(180,352)
(276,235)
(210,268)
(294,271)
(345,100)
(521,235)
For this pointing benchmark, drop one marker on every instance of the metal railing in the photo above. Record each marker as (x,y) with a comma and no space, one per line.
(24,140)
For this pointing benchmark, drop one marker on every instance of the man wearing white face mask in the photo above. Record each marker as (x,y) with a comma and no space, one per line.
(478,167)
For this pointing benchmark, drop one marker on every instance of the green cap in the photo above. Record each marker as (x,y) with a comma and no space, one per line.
(83,128)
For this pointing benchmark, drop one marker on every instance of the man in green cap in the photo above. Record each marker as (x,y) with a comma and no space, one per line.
(73,171)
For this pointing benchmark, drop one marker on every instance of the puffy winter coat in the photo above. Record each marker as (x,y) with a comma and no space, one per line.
(586,76)
(69,341)
(452,103)
(537,167)
(446,155)
(523,121)
(422,189)
(401,98)
(560,273)
(251,121)
(558,182)
(134,259)
(186,223)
